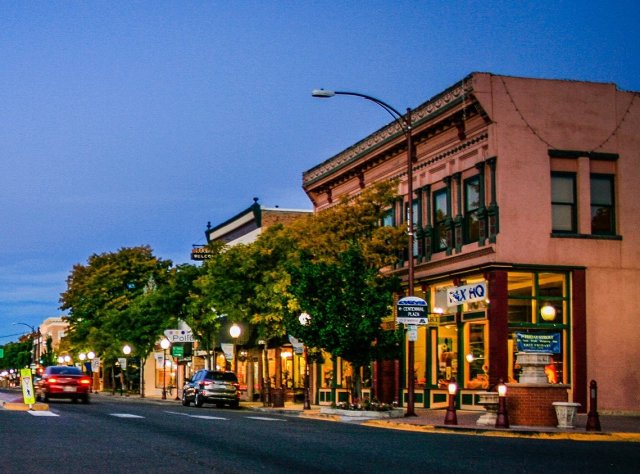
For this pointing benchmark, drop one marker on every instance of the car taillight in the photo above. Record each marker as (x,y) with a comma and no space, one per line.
(51,380)
(85,381)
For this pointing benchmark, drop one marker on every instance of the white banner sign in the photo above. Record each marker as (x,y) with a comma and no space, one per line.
(466,294)
(228,350)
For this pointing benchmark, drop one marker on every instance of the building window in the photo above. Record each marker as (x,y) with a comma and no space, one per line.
(440,206)
(602,210)
(539,305)
(471,208)
(388,219)
(563,202)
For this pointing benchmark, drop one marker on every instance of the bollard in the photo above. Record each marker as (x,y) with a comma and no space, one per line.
(593,420)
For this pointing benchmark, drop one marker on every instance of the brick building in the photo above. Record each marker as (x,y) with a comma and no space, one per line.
(527,190)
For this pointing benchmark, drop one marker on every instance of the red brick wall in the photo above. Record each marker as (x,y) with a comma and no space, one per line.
(532,406)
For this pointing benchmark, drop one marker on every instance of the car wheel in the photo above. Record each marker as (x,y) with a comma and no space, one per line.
(185,402)
(85,399)
(198,401)
(74,400)
(45,398)
(235,404)
(219,404)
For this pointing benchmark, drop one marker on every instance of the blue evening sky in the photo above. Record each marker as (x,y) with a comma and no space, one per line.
(135,122)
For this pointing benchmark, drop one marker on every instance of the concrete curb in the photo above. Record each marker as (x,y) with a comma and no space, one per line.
(508,432)
(19,406)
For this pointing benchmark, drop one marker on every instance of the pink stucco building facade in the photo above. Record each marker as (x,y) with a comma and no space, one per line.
(526,190)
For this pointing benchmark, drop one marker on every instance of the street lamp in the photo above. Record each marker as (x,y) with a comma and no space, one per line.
(92,355)
(502,420)
(164,344)
(305,320)
(35,349)
(126,350)
(235,331)
(451,418)
(405,123)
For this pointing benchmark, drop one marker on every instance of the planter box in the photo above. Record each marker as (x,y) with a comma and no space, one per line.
(360,415)
(566,413)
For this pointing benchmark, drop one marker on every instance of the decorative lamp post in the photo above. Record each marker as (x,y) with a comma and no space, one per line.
(60,360)
(235,332)
(406,125)
(451,418)
(305,320)
(67,359)
(92,355)
(126,350)
(164,344)
(502,420)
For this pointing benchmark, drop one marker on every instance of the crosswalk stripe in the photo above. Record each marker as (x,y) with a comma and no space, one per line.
(125,415)
(264,418)
(41,413)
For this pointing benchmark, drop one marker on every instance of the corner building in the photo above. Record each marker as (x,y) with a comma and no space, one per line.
(526,191)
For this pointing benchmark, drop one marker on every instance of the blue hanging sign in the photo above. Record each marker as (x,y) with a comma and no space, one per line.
(538,342)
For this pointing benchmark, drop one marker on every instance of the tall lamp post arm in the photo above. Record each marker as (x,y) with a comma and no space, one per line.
(405,123)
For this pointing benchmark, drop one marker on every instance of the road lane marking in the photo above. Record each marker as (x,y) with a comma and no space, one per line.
(264,418)
(125,415)
(202,417)
(41,413)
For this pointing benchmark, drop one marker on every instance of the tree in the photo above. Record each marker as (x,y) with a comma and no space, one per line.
(110,302)
(338,278)
(347,301)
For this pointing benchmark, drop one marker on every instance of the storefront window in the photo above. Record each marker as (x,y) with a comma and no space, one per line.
(539,305)
(447,354)
(476,356)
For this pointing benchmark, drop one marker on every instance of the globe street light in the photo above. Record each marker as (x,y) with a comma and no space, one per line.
(92,355)
(406,125)
(126,350)
(305,320)
(164,344)
(235,332)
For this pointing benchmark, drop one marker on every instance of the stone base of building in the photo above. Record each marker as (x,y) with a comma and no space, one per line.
(532,405)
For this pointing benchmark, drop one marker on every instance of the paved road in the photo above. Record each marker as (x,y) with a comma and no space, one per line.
(128,436)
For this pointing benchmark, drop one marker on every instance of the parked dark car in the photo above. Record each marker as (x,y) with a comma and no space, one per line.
(61,381)
(212,386)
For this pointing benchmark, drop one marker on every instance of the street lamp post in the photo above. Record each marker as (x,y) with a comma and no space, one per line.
(94,388)
(235,332)
(35,342)
(405,122)
(164,344)
(126,350)
(305,319)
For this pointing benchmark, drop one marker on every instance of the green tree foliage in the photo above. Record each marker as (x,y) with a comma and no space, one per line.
(17,355)
(347,300)
(110,302)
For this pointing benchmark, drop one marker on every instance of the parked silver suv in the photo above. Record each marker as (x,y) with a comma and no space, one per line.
(212,386)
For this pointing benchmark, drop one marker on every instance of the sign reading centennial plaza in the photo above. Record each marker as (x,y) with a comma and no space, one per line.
(412,310)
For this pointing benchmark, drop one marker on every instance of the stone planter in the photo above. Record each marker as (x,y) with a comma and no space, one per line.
(566,413)
(489,400)
(533,364)
(362,415)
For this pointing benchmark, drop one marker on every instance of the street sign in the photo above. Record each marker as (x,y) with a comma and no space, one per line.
(95,364)
(28,394)
(177,351)
(412,310)
(412,333)
(178,335)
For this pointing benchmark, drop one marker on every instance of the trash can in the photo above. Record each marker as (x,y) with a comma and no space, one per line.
(277,397)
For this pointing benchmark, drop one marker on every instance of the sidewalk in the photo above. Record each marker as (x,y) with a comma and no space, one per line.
(619,428)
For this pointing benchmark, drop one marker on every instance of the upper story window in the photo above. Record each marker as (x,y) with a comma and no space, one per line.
(471,208)
(388,219)
(440,206)
(602,205)
(563,202)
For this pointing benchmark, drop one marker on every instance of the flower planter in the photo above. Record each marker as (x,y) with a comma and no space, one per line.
(566,413)
(360,415)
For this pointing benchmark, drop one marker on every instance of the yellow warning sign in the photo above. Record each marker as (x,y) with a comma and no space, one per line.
(28,392)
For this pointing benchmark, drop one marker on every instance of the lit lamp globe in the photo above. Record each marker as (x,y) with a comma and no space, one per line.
(82,356)
(91,355)
(60,360)
(305,319)
(235,331)
(165,344)
(126,349)
(548,312)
